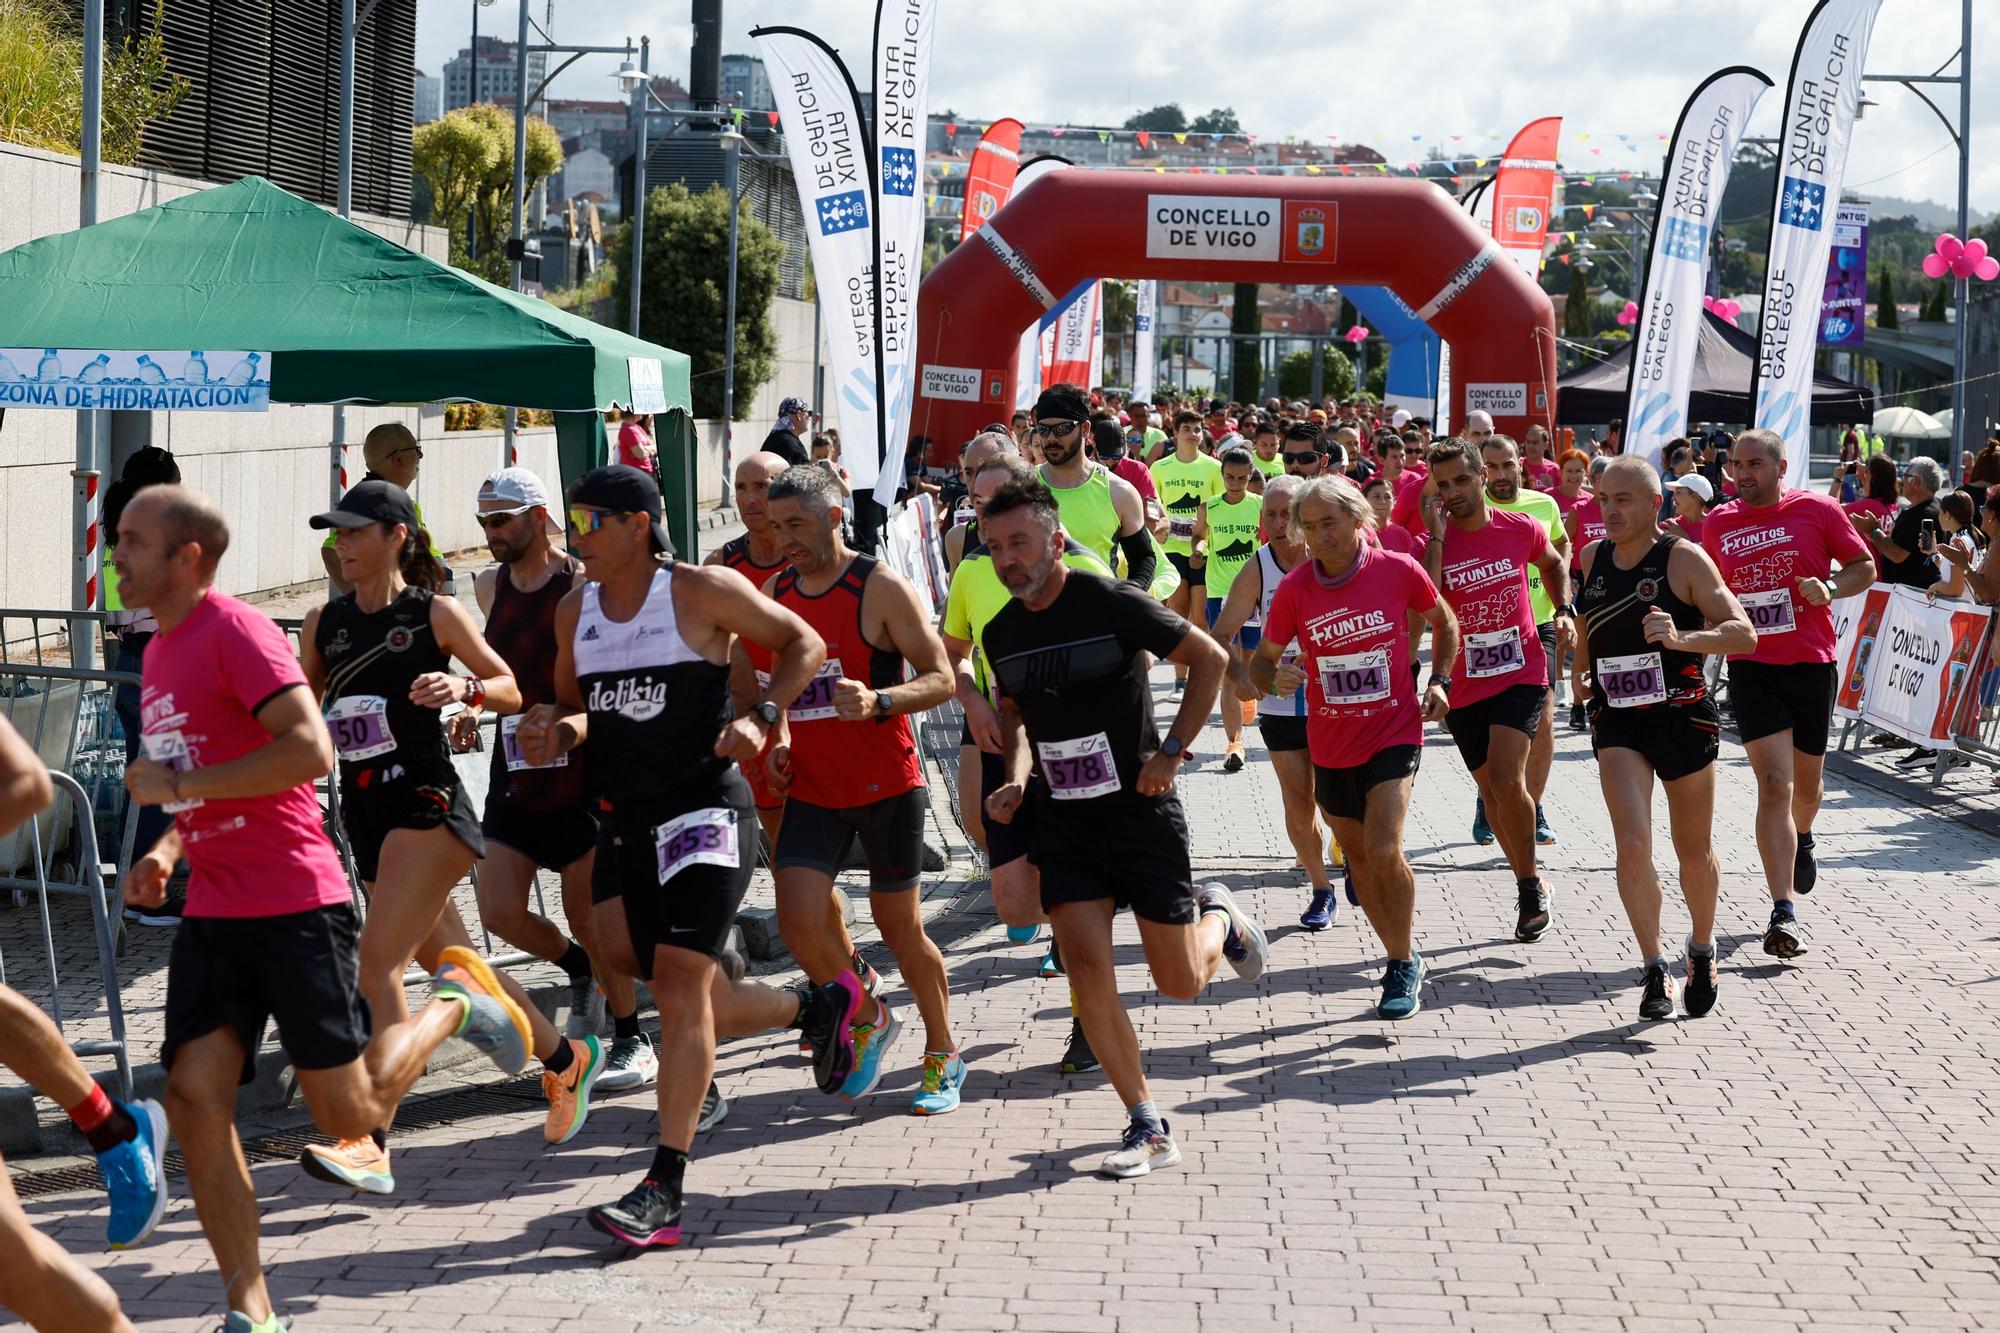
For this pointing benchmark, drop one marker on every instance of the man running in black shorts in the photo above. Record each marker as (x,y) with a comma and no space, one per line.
(1069,655)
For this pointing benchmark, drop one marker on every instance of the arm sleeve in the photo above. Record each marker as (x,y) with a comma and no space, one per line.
(1139,560)
(1142,622)
(1841,538)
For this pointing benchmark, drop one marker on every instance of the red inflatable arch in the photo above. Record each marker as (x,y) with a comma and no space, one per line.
(1073,224)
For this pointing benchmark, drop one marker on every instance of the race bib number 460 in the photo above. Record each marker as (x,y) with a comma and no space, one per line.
(360,727)
(1080,769)
(698,838)
(1769,612)
(1495,654)
(815,701)
(1632,681)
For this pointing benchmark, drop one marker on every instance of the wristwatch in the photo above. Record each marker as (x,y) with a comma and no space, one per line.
(768,711)
(1442,682)
(882,703)
(1171,747)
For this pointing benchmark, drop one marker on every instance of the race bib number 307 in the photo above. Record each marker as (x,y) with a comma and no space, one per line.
(1080,769)
(510,743)
(1769,612)
(698,838)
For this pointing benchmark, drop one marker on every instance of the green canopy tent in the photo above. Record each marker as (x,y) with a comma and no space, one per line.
(347,316)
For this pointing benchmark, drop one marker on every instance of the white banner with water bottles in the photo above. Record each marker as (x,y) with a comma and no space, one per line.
(150,381)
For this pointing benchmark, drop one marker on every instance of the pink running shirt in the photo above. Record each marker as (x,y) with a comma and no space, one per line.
(1763,553)
(1486,586)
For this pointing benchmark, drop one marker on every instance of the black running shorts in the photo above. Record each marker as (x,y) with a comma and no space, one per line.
(891,830)
(1517,706)
(1281,733)
(302,969)
(1008,842)
(1676,741)
(1797,697)
(370,816)
(1343,792)
(552,839)
(1137,857)
(708,845)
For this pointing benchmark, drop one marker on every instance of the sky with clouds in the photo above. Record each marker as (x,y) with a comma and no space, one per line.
(1363,73)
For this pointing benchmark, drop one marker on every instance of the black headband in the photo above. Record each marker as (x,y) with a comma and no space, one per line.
(1053,406)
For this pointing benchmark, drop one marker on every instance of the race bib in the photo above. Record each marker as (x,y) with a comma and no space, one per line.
(360,727)
(1180,529)
(510,744)
(1080,769)
(1495,654)
(1357,678)
(1632,681)
(815,701)
(697,838)
(1770,612)
(171,748)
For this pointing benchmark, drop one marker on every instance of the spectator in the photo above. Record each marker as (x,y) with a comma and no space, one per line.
(1985,470)
(794,418)
(635,443)
(1691,496)
(1880,501)
(1900,551)
(826,454)
(392,454)
(1569,491)
(1960,548)
(1538,470)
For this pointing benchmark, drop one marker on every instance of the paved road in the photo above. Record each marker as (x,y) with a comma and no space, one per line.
(1523,1154)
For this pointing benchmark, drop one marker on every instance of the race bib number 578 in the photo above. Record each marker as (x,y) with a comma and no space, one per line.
(1080,769)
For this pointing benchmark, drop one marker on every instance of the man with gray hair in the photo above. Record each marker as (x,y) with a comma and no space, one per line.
(1904,551)
(1778,549)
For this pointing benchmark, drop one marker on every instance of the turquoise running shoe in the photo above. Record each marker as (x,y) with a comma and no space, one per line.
(944,1079)
(871,1044)
(133,1176)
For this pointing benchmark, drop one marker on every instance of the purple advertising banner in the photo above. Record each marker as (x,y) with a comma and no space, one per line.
(1843,314)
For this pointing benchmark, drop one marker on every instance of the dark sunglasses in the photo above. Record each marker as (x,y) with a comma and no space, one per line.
(1302,458)
(1054,430)
(500,518)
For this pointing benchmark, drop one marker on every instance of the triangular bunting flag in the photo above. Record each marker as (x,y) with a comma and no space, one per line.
(1564,258)
(1145,139)
(1180,136)
(1589,210)
(1479,162)
(951,129)
(1057,131)
(1312,170)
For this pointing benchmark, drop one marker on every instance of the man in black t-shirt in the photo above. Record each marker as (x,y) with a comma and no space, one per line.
(794,420)
(1069,662)
(1901,551)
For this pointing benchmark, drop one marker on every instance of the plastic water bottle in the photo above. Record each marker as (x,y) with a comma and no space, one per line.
(196,369)
(245,370)
(50,369)
(94,372)
(150,372)
(8,374)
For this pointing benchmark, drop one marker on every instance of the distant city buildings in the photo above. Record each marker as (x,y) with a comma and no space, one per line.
(429,103)
(497,73)
(746,85)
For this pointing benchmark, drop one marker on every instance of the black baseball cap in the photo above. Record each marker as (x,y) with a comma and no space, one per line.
(371,501)
(623,490)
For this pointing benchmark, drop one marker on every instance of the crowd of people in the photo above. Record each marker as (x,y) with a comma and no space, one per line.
(659,725)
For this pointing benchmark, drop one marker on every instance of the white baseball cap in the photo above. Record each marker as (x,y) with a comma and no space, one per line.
(1695,482)
(1400,419)
(519,489)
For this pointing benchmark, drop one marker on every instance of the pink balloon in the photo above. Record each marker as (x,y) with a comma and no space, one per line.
(1976,248)
(1707,302)
(1731,309)
(1964,266)
(1988,270)
(1936,266)
(1950,247)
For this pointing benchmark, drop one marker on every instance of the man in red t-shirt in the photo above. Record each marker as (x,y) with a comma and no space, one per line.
(1348,610)
(1480,557)
(1778,549)
(233,744)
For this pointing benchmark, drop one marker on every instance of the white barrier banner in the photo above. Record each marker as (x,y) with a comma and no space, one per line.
(1144,364)
(1920,665)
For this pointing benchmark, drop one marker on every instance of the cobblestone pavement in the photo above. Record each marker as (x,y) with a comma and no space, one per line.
(1822,1150)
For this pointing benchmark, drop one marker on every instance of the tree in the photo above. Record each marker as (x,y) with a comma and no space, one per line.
(467,160)
(1885,301)
(1168,119)
(1576,310)
(1935,310)
(1336,374)
(1222,120)
(41,81)
(1246,359)
(687,273)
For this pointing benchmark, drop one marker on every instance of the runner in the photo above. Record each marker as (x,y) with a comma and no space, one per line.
(851,771)
(537,817)
(1226,527)
(1187,478)
(1348,607)
(1069,657)
(672,809)
(235,744)
(963,538)
(1102,512)
(378,659)
(1778,549)
(1505,491)
(1583,523)
(1266,449)
(1645,597)
(1480,557)
(964,533)
(756,555)
(1113,453)
(39,1281)
(1281,718)
(1305,450)
(977,594)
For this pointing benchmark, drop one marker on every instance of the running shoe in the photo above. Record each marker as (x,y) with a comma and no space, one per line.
(1023,934)
(944,1079)
(1180,686)
(1534,913)
(133,1177)
(1078,1058)
(355,1163)
(1244,945)
(586,1008)
(492,1023)
(1658,1001)
(1320,913)
(1805,867)
(871,980)
(1402,988)
(647,1218)
(1482,832)
(1577,721)
(1144,1149)
(1052,960)
(1232,761)
(1347,885)
(871,1045)
(1698,995)
(238,1322)
(829,1027)
(1918,759)
(569,1092)
(1544,835)
(168,913)
(630,1064)
(1783,938)
(714,1109)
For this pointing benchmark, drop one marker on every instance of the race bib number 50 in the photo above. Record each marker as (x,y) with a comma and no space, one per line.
(1080,769)
(360,727)
(698,838)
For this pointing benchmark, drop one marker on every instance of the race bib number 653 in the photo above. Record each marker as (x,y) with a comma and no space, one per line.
(698,838)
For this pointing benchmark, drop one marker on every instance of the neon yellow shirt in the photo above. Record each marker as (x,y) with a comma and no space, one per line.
(1541,506)
(977,594)
(1182,488)
(1232,540)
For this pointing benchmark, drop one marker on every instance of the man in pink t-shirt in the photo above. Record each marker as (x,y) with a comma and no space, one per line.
(1348,609)
(1778,550)
(1480,557)
(233,744)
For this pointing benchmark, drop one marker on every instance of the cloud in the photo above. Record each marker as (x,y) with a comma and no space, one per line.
(1373,74)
